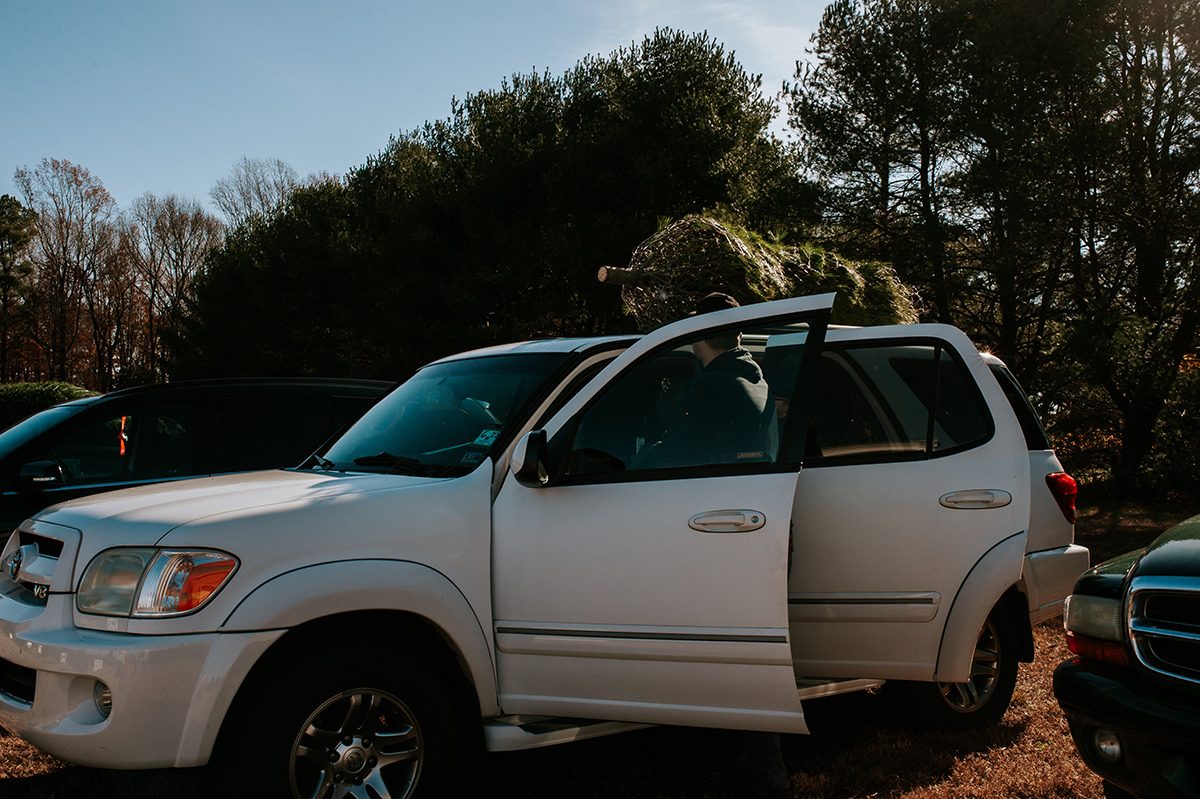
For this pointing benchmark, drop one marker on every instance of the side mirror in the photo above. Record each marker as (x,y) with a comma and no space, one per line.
(528,462)
(40,475)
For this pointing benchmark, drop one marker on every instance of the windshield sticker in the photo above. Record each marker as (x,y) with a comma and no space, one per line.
(486,438)
(472,457)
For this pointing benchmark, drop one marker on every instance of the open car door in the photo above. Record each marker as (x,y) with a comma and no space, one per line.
(637,584)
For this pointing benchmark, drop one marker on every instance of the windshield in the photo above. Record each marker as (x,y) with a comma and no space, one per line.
(445,420)
(33,426)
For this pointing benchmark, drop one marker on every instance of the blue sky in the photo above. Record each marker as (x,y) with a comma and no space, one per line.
(165,97)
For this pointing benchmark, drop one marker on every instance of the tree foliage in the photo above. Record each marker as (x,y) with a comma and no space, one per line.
(254,188)
(1030,168)
(1047,205)
(86,291)
(16,235)
(489,225)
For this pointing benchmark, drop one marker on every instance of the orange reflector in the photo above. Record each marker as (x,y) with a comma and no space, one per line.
(202,580)
(1094,649)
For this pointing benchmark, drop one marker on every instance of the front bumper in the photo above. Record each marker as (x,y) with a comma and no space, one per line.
(169,692)
(1159,729)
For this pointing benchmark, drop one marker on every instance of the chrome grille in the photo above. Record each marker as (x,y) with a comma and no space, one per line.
(1164,625)
(28,562)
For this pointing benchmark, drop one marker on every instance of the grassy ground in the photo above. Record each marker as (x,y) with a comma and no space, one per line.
(859,747)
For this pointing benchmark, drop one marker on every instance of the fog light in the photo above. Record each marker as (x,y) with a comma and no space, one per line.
(1107,745)
(102,695)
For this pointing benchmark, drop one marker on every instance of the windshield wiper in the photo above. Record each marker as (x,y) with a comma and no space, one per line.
(323,463)
(394,463)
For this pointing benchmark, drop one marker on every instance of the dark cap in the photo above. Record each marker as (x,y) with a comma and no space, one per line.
(717,301)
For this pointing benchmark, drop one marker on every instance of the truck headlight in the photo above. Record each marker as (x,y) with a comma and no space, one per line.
(1094,628)
(142,582)
(1093,616)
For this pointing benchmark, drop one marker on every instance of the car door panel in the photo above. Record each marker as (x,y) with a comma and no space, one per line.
(647,595)
(886,539)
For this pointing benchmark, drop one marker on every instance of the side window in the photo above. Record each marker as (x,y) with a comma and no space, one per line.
(879,402)
(717,401)
(1031,425)
(152,443)
(270,432)
(350,408)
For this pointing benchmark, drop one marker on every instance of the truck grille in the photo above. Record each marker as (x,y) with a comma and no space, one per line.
(28,560)
(1164,625)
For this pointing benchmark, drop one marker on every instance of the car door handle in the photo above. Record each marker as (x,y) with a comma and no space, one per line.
(975,499)
(727,521)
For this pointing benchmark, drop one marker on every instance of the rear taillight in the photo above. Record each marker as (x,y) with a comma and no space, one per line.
(1064,488)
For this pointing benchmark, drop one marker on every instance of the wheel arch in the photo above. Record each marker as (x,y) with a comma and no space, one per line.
(991,583)
(412,604)
(417,634)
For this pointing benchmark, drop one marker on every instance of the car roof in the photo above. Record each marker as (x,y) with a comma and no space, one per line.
(563,346)
(231,385)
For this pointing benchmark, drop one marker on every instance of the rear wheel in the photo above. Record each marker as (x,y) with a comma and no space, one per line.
(377,725)
(986,694)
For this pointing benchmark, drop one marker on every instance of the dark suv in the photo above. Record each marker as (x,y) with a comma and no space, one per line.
(151,434)
(1132,693)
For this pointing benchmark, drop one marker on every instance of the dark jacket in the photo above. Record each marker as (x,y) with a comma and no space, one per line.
(724,416)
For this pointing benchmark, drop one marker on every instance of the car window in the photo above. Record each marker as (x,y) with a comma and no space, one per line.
(1031,425)
(446,419)
(350,408)
(151,443)
(717,401)
(893,402)
(33,426)
(268,432)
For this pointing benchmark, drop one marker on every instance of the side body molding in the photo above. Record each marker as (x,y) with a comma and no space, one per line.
(995,573)
(328,589)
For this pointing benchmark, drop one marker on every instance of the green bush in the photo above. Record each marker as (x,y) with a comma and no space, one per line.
(18,400)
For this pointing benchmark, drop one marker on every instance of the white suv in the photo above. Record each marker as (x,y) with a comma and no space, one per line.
(492,554)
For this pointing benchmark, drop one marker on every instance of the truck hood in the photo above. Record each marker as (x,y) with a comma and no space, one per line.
(143,516)
(1175,553)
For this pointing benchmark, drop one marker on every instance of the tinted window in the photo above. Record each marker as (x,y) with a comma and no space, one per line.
(350,408)
(33,426)
(153,443)
(1031,425)
(676,410)
(446,419)
(888,402)
(270,431)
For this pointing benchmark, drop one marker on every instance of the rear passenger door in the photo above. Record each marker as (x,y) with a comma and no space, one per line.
(909,479)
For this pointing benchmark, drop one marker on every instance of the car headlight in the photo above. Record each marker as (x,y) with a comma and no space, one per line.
(142,582)
(1093,616)
(1094,628)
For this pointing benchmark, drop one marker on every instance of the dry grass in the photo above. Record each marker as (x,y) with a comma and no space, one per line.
(859,747)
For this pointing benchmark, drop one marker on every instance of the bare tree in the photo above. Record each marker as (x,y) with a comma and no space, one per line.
(257,187)
(75,234)
(111,303)
(173,237)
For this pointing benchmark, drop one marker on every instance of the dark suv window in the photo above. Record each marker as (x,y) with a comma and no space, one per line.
(884,401)
(1031,425)
(153,443)
(264,432)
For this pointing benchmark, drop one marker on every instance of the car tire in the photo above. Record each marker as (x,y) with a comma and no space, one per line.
(1115,792)
(378,719)
(985,697)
